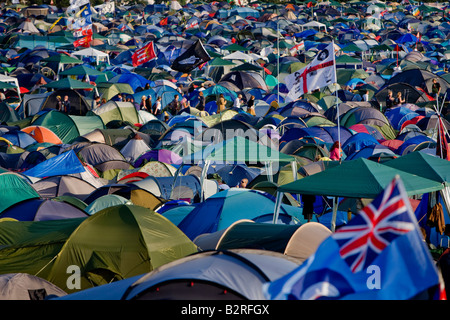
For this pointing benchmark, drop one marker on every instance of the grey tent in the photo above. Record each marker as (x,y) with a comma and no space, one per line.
(63,186)
(211,275)
(184,187)
(23,286)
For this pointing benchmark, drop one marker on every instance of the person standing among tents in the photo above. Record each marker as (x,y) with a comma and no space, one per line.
(66,104)
(143,105)
(96,102)
(250,104)
(436,89)
(389,100)
(221,103)
(59,104)
(238,101)
(399,100)
(243,183)
(148,103)
(156,108)
(336,151)
(201,101)
(175,105)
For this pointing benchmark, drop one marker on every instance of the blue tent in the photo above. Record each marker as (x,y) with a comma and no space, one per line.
(63,164)
(19,138)
(134,80)
(414,141)
(358,142)
(370,151)
(43,210)
(407,38)
(226,207)
(397,116)
(316,132)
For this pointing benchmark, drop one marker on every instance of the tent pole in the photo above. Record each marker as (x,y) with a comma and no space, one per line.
(202,179)
(277,206)
(333,219)
(294,169)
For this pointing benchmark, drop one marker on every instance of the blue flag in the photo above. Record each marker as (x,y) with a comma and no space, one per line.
(379,255)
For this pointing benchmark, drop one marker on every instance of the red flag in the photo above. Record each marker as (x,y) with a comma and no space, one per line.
(83,42)
(84,31)
(143,54)
(442,143)
(310,4)
(163,22)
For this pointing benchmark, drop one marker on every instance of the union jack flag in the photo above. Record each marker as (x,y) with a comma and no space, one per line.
(377,225)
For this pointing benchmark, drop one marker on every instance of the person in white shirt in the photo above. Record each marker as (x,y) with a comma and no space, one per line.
(238,101)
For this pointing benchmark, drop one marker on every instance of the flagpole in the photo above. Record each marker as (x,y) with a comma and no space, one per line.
(337,104)
(278,61)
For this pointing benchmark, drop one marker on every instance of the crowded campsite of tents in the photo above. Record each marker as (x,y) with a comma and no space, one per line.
(224,150)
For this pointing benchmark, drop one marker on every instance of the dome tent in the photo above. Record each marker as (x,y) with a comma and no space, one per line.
(42,209)
(146,241)
(232,275)
(23,286)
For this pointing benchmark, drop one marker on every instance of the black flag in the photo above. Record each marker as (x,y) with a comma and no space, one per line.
(191,58)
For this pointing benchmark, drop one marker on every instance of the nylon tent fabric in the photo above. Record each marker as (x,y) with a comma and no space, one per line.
(245,80)
(46,237)
(105,201)
(22,286)
(56,186)
(63,164)
(237,149)
(147,241)
(42,210)
(114,110)
(220,210)
(42,134)
(306,239)
(60,123)
(79,105)
(360,178)
(423,165)
(246,234)
(135,194)
(243,263)
(15,189)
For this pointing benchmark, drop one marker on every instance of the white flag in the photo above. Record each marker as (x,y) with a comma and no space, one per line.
(318,74)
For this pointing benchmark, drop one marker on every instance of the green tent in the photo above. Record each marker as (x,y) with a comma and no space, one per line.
(109,90)
(219,62)
(86,124)
(60,123)
(28,246)
(8,113)
(238,149)
(14,190)
(235,47)
(68,83)
(62,59)
(116,243)
(360,178)
(81,70)
(248,234)
(423,165)
(115,110)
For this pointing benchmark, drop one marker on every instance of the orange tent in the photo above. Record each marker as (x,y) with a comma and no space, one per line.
(42,134)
